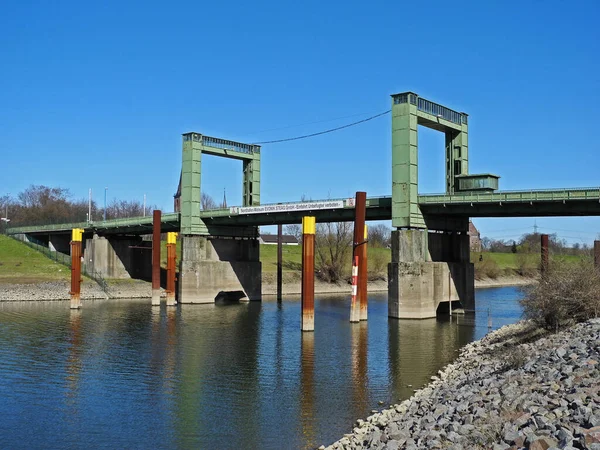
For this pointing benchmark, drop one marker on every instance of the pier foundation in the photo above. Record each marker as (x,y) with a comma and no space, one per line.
(428,269)
(217,267)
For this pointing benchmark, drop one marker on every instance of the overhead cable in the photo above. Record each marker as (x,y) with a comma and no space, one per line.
(323,132)
(316,122)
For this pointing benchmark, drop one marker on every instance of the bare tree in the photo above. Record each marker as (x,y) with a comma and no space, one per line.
(207,202)
(333,248)
(124,208)
(42,205)
(379,235)
(294,229)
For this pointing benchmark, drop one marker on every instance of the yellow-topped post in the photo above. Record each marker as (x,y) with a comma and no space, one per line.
(308,273)
(76,236)
(171,264)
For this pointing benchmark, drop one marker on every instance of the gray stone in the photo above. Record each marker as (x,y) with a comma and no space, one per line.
(510,436)
(375,437)
(392,445)
(500,446)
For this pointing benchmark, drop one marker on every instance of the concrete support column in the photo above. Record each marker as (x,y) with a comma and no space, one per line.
(59,243)
(410,276)
(212,268)
(426,270)
(118,257)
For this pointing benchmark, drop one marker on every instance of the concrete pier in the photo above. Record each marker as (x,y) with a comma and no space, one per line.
(118,257)
(211,268)
(426,270)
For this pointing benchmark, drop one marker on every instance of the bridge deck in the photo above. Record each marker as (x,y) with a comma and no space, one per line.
(550,202)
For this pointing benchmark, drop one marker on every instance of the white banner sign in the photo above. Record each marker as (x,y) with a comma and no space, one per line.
(287,207)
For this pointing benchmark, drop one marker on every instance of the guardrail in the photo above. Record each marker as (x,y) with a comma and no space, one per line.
(65,260)
(437,110)
(145,221)
(514,196)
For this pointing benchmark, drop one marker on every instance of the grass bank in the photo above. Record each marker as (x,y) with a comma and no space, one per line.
(22,264)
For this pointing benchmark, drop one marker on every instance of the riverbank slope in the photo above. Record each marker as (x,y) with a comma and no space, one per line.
(27,274)
(519,387)
(16,290)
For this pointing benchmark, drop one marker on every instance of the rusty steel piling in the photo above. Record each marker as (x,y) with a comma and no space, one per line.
(171,265)
(363,278)
(597,254)
(279,261)
(360,209)
(156,216)
(308,273)
(76,268)
(544,266)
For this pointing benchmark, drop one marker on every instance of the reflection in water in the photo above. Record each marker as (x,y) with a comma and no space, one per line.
(307,393)
(417,349)
(74,363)
(360,378)
(240,375)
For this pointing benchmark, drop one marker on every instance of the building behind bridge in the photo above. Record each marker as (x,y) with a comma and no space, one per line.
(474,238)
(271,239)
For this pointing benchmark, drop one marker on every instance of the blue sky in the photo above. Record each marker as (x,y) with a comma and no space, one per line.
(95,95)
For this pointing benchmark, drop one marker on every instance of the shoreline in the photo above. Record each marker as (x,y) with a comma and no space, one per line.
(120,289)
(517,387)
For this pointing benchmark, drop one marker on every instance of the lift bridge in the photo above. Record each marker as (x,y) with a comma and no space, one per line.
(430,243)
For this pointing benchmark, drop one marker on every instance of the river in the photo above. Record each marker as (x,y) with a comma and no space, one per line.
(122,374)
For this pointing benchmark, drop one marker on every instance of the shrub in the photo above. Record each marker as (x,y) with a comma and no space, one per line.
(377,265)
(569,293)
(527,264)
(487,268)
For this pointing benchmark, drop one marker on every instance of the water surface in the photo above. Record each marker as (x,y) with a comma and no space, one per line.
(125,374)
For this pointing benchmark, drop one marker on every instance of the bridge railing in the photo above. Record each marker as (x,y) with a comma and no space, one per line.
(145,221)
(514,196)
(434,109)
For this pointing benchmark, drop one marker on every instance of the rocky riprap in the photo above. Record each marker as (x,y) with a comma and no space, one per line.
(48,290)
(90,290)
(512,389)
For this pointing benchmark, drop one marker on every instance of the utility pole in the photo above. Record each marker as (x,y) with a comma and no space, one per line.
(90,205)
(144,205)
(105,189)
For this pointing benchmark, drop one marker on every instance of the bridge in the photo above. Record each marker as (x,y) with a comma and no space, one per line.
(430,244)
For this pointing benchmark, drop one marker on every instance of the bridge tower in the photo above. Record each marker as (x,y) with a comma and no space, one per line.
(217,260)
(430,257)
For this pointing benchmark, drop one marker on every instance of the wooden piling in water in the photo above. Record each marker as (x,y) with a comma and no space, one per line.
(308,273)
(156,216)
(76,268)
(360,209)
(171,267)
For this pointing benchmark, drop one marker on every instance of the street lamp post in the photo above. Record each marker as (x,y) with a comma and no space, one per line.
(5,219)
(105,189)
